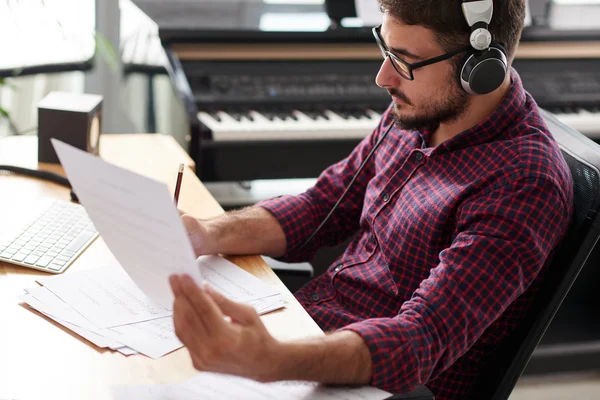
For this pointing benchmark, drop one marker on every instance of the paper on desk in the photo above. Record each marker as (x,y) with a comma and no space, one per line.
(136,217)
(92,336)
(41,299)
(239,285)
(232,281)
(153,338)
(211,386)
(107,297)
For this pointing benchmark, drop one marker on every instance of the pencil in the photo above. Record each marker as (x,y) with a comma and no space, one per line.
(178,184)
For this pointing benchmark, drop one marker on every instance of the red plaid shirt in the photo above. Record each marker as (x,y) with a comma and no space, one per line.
(449,242)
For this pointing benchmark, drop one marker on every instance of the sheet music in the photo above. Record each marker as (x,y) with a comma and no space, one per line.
(136,217)
(212,386)
(107,297)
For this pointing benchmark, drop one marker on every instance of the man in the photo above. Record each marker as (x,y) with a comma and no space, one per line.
(455,215)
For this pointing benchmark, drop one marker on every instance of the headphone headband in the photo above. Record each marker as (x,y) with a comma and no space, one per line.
(478,15)
(484,68)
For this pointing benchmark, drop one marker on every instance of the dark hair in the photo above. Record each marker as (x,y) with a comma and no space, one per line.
(446,19)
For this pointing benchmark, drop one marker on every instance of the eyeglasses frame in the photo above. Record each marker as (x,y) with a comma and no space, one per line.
(411,67)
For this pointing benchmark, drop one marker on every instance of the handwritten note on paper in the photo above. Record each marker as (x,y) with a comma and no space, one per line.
(211,386)
(137,219)
(107,297)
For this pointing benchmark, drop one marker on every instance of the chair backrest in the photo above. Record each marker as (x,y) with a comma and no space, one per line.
(583,157)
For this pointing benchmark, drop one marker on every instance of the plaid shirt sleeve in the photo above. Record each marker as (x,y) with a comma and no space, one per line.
(300,215)
(501,242)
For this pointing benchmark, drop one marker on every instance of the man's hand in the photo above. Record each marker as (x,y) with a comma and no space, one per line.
(198,234)
(239,345)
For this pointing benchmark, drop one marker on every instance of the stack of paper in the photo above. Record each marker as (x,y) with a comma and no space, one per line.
(129,309)
(212,386)
(106,307)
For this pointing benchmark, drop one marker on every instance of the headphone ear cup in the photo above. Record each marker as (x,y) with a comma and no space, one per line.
(483,72)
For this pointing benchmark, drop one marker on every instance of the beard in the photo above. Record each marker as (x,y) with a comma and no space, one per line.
(443,109)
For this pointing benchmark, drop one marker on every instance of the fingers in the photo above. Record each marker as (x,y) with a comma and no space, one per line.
(238,312)
(191,224)
(203,305)
(188,327)
(175,285)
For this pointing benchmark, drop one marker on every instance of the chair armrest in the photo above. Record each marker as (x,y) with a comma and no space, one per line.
(420,393)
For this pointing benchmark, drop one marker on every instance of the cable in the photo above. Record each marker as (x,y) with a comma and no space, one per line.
(45,175)
(360,168)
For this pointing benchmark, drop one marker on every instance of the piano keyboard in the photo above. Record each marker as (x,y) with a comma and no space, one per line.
(357,124)
(290,125)
(582,120)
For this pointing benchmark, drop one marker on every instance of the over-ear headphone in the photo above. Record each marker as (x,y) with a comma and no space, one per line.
(484,68)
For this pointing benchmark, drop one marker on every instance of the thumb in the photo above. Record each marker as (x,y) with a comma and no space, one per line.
(238,312)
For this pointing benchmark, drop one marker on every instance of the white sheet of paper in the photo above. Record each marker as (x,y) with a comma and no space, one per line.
(211,386)
(126,351)
(153,338)
(136,217)
(107,297)
(267,304)
(232,281)
(55,308)
(92,336)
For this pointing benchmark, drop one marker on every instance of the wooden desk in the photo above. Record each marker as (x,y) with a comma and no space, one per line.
(39,359)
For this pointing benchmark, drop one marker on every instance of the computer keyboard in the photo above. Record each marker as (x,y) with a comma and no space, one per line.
(50,239)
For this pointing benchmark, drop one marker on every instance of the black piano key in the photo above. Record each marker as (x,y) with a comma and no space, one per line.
(322,114)
(343,113)
(215,115)
(236,115)
(268,115)
(283,115)
(311,114)
(358,114)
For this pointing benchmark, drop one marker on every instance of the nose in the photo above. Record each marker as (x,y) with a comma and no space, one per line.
(387,77)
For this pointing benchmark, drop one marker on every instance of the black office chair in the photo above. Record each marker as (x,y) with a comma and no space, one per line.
(506,366)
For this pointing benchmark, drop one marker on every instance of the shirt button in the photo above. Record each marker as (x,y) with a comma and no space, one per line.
(337,269)
(419,156)
(386,197)
(315,297)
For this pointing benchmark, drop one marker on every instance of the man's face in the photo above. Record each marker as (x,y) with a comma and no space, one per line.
(434,96)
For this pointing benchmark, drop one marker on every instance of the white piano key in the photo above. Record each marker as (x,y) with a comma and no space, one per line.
(229,124)
(301,128)
(583,121)
(209,121)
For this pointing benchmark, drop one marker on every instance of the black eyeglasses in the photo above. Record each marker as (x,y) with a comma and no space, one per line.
(402,67)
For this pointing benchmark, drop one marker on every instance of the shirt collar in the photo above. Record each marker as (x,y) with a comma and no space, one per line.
(509,109)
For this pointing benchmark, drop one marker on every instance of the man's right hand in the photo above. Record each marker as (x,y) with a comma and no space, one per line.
(198,234)
(252,230)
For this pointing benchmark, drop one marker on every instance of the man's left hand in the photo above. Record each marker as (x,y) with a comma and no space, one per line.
(238,345)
